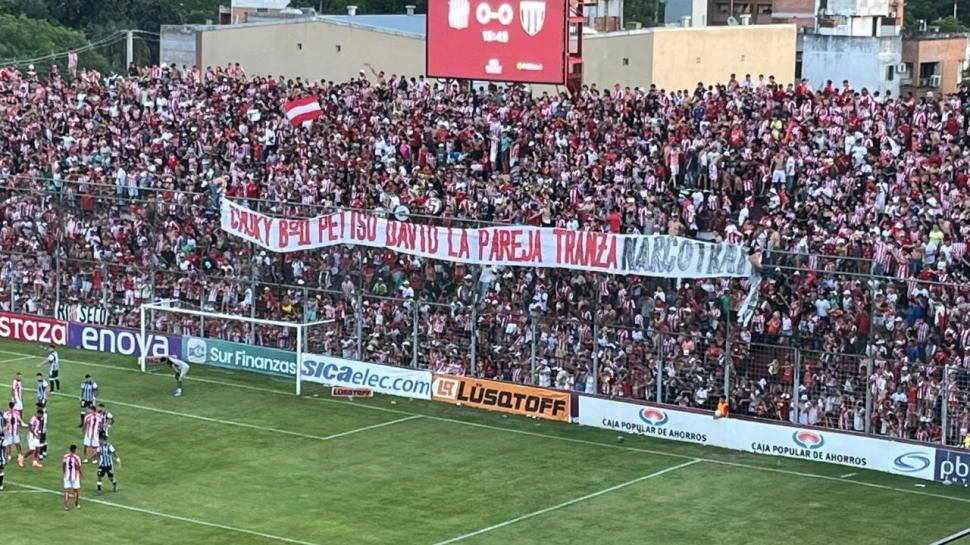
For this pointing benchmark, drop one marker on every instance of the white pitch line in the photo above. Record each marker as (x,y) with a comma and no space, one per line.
(568,503)
(847,475)
(952,539)
(22,491)
(22,359)
(251,426)
(172,517)
(531,433)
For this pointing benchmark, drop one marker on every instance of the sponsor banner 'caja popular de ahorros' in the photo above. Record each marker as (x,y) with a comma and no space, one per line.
(759,437)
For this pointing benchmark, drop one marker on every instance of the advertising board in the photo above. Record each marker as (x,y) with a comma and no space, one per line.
(35,329)
(125,342)
(230,355)
(502,396)
(497,40)
(952,466)
(764,438)
(383,379)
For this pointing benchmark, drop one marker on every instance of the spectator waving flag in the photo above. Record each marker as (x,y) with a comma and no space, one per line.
(302,110)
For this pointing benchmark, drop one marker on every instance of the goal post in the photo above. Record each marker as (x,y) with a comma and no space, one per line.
(195,327)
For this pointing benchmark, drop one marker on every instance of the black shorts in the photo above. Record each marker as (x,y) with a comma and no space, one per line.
(42,404)
(87,404)
(109,471)
(55,373)
(43,438)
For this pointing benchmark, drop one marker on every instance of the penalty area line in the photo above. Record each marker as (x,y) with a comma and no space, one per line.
(573,501)
(252,426)
(159,514)
(952,539)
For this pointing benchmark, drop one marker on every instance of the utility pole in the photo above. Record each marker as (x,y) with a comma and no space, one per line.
(130,48)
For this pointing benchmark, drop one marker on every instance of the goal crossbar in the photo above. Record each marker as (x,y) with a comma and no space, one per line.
(300,328)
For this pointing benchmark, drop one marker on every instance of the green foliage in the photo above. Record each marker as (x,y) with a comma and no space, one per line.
(950,24)
(642,11)
(936,11)
(24,38)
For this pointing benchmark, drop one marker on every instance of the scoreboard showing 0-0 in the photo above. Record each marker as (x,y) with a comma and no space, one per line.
(498,40)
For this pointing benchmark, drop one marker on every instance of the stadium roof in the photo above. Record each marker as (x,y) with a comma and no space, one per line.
(413,25)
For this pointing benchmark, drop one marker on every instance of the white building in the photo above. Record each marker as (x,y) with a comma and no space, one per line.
(855,40)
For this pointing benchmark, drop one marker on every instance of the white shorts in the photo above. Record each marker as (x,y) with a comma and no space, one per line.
(33,442)
(91,442)
(12,439)
(72,484)
(18,406)
(184,372)
(778,177)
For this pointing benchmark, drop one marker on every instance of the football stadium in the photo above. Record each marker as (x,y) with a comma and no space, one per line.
(482,271)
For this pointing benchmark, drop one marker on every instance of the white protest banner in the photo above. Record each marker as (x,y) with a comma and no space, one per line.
(516,245)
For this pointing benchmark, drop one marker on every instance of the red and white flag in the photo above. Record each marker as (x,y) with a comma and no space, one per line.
(302,110)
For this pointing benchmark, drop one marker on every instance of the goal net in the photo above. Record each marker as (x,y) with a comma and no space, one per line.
(231,341)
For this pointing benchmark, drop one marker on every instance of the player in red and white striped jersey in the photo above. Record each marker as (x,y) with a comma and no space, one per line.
(34,433)
(71,464)
(92,430)
(11,433)
(17,394)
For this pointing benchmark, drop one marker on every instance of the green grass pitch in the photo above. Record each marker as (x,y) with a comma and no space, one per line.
(239,459)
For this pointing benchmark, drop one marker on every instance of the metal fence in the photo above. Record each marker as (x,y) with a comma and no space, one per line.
(881,357)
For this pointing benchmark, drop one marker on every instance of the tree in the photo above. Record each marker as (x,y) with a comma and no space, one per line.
(25,39)
(949,24)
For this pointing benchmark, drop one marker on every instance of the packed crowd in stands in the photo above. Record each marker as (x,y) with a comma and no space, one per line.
(856,203)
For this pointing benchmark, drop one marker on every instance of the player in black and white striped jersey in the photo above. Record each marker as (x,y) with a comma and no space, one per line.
(107,456)
(89,394)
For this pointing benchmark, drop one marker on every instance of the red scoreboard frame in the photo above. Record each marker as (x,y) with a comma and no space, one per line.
(521,41)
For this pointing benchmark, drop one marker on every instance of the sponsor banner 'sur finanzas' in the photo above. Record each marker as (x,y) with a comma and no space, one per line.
(230,355)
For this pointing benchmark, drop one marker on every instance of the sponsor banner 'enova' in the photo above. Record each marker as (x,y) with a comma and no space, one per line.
(759,437)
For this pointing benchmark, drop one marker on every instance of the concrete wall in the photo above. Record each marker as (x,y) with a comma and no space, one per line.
(177,46)
(604,55)
(684,56)
(864,61)
(673,58)
(311,49)
(678,58)
(858,8)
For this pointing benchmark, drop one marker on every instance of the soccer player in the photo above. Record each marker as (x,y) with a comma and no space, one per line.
(89,394)
(43,389)
(107,456)
(92,430)
(3,459)
(17,395)
(181,370)
(11,433)
(107,419)
(43,432)
(33,437)
(179,367)
(54,368)
(71,465)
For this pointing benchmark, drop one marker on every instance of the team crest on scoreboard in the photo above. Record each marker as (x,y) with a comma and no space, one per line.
(532,14)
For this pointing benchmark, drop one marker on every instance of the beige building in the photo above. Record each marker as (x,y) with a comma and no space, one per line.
(337,47)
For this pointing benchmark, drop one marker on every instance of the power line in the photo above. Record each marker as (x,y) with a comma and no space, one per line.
(109,40)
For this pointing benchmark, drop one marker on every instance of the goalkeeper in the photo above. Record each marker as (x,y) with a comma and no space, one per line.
(179,367)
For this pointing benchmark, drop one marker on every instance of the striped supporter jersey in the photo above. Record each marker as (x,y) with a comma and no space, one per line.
(72,466)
